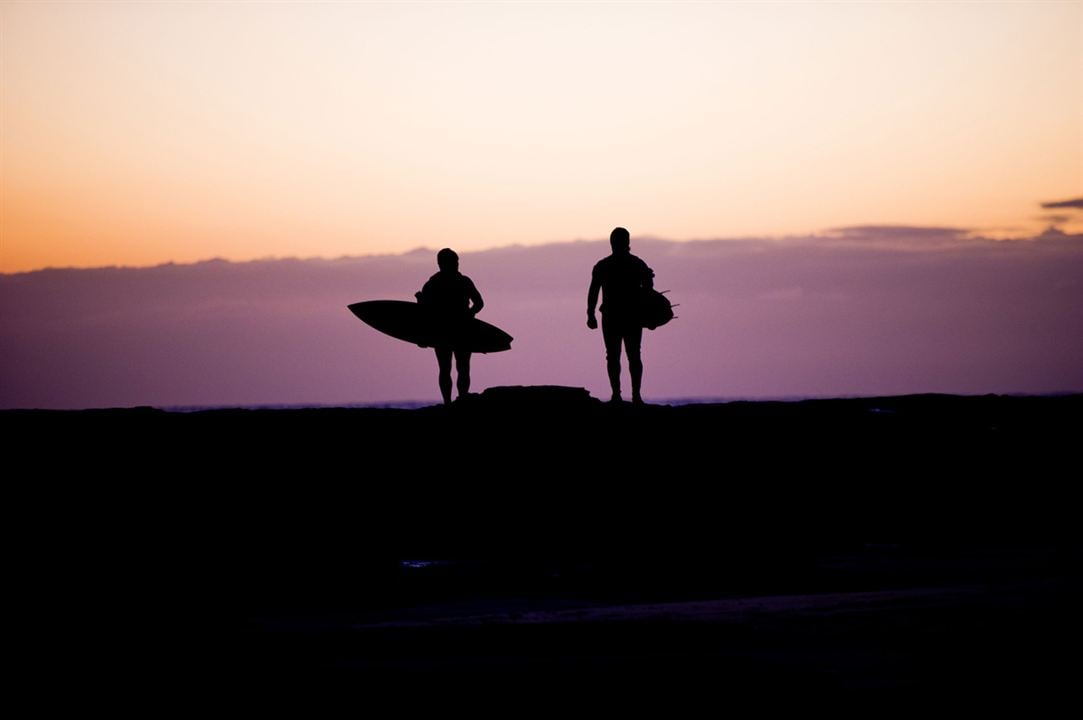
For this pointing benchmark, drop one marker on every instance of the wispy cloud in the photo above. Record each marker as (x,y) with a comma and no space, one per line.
(906,235)
(890,231)
(1056,219)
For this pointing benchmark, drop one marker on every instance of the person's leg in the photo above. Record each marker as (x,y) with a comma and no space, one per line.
(612,335)
(633,339)
(462,367)
(443,358)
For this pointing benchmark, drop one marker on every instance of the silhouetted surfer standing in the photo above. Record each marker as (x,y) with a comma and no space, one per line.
(453,301)
(620,277)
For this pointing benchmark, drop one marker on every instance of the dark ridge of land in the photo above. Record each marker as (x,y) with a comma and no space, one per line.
(540,531)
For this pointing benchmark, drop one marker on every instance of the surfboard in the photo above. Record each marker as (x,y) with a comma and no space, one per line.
(410,322)
(655,309)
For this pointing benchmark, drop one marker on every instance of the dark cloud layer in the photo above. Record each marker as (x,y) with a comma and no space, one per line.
(1076,203)
(884,314)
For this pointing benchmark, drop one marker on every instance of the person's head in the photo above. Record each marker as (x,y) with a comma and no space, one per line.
(447,260)
(620,241)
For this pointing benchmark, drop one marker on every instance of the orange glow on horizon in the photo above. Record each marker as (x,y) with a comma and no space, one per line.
(135,134)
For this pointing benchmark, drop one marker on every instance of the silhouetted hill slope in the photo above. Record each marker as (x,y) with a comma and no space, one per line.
(550,466)
(528,533)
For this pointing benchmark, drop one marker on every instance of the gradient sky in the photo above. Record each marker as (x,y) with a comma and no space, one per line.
(140,133)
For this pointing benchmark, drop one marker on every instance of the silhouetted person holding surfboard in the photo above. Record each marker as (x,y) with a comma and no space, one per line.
(453,301)
(620,278)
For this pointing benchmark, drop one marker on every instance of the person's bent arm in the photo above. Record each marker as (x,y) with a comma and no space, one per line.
(476,303)
(423,294)
(592,302)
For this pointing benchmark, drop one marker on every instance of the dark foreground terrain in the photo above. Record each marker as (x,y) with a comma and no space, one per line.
(535,534)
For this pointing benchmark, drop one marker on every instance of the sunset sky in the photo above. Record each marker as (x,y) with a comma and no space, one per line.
(142,133)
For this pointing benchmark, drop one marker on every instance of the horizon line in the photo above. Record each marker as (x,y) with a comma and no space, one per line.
(420,404)
(962,234)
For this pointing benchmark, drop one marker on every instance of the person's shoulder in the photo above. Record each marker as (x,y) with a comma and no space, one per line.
(603,263)
(466,281)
